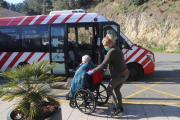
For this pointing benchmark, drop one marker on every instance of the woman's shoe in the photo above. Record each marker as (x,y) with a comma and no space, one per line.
(117,111)
(119,108)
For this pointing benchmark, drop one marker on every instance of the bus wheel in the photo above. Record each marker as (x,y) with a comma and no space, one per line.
(22,64)
(136,72)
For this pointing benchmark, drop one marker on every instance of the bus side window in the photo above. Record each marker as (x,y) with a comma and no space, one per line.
(9,39)
(35,38)
(124,44)
(111,29)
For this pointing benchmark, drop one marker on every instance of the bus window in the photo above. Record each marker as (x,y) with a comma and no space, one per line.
(35,38)
(57,39)
(111,29)
(9,40)
(71,35)
(57,48)
(85,35)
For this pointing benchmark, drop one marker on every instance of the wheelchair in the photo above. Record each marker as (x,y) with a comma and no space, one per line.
(87,99)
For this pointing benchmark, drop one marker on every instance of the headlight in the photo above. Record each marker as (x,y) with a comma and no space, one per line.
(150,56)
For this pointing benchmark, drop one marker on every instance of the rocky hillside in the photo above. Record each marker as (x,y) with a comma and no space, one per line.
(10,13)
(154,24)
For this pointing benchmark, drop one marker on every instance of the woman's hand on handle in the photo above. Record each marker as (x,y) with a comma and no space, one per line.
(90,73)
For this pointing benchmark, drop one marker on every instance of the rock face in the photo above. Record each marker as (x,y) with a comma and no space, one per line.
(144,28)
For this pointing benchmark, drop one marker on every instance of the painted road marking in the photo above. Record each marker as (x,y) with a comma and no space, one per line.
(176,81)
(156,90)
(148,103)
(60,94)
(142,90)
(161,78)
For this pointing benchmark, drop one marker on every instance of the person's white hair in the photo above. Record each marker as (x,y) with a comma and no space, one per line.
(86,58)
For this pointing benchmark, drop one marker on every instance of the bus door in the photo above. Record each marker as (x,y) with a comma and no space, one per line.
(108,28)
(81,40)
(58,50)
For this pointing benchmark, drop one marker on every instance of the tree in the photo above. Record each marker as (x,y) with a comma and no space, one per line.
(24,7)
(69,4)
(12,7)
(18,7)
(35,6)
(4,4)
(47,6)
(1,12)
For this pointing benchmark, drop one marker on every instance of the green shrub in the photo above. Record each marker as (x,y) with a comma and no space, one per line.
(150,14)
(136,2)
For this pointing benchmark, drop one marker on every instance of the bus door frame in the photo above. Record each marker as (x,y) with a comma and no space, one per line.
(94,24)
(65,49)
(101,36)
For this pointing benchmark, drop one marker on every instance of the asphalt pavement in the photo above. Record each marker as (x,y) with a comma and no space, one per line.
(155,96)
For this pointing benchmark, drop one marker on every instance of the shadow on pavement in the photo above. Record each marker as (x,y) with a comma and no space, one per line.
(134,111)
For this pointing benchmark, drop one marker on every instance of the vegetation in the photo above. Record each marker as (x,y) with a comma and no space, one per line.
(1,12)
(32,85)
(37,7)
(137,2)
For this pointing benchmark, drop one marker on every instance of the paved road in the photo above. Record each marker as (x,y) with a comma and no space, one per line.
(157,95)
(161,87)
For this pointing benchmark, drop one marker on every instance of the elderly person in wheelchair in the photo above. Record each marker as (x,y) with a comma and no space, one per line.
(87,91)
(79,81)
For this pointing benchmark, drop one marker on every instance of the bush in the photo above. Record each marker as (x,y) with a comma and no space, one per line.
(136,2)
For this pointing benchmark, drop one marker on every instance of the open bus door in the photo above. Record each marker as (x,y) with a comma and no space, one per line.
(113,29)
(109,28)
(58,49)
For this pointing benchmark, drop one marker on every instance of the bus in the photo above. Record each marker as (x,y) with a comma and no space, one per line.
(64,38)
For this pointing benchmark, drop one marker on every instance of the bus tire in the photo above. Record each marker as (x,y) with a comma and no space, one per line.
(136,72)
(22,63)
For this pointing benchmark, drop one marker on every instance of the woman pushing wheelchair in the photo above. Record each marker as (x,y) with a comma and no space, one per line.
(118,71)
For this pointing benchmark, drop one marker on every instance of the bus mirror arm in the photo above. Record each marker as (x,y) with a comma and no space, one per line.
(126,46)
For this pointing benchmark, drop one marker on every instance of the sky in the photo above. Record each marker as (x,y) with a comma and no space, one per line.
(14,1)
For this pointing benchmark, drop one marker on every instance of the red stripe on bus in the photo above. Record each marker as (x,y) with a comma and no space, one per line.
(15,21)
(42,56)
(132,54)
(29,57)
(5,21)
(81,17)
(145,62)
(67,18)
(128,50)
(53,19)
(40,19)
(141,56)
(27,20)
(5,58)
(15,60)
(1,53)
(95,17)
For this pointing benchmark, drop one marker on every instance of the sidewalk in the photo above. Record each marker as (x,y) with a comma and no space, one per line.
(132,112)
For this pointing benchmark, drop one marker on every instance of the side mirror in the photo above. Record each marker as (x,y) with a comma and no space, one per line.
(126,46)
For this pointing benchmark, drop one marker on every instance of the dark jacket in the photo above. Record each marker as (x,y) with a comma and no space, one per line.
(115,59)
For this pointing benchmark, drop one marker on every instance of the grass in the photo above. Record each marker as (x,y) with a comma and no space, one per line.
(177,51)
(150,14)
(142,8)
(171,7)
(158,4)
(122,7)
(161,48)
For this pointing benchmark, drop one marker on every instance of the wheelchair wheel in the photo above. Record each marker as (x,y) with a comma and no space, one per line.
(85,101)
(72,104)
(101,95)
